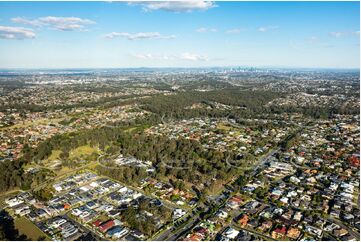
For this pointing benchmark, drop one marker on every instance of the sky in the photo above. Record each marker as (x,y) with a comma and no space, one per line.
(179,34)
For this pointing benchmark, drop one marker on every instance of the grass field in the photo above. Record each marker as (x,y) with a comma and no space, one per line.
(42,121)
(54,155)
(223,126)
(29,229)
(63,170)
(82,151)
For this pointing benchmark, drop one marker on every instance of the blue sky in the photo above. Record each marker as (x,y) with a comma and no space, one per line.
(179,34)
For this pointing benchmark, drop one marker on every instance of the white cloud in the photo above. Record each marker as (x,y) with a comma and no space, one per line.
(312,39)
(20,20)
(138,36)
(343,34)
(16,33)
(206,30)
(193,57)
(143,56)
(175,6)
(267,28)
(337,34)
(234,31)
(58,23)
(184,56)
(154,57)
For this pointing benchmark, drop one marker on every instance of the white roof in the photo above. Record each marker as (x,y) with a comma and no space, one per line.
(231,233)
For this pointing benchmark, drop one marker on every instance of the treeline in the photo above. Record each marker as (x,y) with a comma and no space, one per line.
(182,159)
(11,174)
(174,105)
(126,174)
(316,111)
(247,104)
(105,101)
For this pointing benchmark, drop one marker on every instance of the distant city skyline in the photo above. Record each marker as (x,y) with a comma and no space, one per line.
(179,34)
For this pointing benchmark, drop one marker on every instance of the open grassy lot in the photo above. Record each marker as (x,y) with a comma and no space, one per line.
(64,170)
(52,160)
(82,152)
(54,155)
(26,227)
(42,121)
(223,126)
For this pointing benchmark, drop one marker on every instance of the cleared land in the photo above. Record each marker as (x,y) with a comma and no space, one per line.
(29,229)
(82,152)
